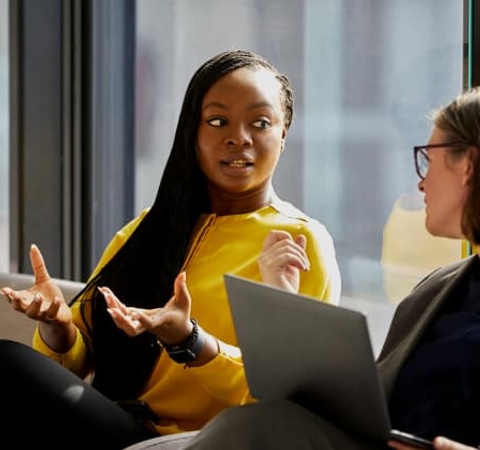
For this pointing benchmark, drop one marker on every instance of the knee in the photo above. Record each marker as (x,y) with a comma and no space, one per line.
(16,359)
(9,349)
(268,424)
(272,413)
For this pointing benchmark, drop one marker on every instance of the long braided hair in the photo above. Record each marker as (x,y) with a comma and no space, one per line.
(143,271)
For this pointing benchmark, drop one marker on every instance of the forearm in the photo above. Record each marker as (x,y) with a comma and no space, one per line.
(59,337)
(77,358)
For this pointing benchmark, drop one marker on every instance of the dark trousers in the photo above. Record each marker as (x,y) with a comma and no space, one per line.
(45,405)
(275,425)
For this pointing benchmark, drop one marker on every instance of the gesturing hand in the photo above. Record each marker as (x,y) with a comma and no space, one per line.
(282,258)
(170,323)
(43,301)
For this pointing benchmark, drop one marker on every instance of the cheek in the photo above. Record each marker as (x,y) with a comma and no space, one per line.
(202,157)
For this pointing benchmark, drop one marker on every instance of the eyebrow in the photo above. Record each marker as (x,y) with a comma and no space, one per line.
(251,107)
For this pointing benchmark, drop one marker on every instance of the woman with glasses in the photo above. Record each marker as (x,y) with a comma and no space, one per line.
(430,361)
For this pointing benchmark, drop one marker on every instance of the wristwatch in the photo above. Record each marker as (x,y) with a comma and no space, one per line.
(187,350)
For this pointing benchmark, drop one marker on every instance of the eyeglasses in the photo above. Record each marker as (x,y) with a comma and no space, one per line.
(420,154)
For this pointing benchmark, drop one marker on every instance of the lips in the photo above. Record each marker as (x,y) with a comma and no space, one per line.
(238,163)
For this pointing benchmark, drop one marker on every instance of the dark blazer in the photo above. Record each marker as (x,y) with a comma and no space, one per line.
(414,314)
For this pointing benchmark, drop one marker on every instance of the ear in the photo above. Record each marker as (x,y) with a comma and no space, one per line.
(469,162)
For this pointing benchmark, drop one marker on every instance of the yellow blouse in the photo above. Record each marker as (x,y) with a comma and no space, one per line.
(185,398)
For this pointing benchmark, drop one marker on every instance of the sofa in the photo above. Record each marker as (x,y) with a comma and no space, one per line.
(17,327)
(169,442)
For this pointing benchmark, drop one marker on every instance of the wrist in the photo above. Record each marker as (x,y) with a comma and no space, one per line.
(188,349)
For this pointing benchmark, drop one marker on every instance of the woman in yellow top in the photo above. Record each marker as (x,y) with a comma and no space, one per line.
(136,331)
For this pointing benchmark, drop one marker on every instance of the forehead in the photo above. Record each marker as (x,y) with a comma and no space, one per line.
(438,136)
(246,83)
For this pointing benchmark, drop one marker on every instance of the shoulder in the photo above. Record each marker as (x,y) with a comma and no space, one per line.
(288,209)
(304,223)
(130,226)
(120,237)
(436,285)
(447,272)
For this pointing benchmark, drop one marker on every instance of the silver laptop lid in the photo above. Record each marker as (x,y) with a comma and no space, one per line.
(319,355)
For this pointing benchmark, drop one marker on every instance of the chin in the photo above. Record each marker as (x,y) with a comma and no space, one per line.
(448,234)
(435,230)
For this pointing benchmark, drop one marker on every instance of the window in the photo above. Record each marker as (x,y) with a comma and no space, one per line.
(365,73)
(4,141)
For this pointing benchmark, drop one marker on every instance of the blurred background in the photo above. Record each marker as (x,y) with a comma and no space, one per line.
(90,94)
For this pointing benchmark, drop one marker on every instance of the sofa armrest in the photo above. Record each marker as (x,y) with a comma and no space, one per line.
(16,326)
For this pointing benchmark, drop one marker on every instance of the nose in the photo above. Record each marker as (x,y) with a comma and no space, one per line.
(238,136)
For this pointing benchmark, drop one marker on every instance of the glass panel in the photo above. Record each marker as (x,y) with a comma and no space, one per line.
(4,132)
(366,73)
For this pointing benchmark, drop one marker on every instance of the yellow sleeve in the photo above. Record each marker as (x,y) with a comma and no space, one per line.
(76,359)
(224,376)
(323,280)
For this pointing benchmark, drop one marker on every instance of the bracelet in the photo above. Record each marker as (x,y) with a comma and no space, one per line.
(189,348)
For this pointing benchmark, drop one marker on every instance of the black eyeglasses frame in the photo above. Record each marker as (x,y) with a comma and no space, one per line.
(423,150)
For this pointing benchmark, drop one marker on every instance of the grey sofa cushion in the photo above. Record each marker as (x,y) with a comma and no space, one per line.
(170,442)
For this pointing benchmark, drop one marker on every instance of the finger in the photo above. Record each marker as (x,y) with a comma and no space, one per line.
(20,300)
(125,323)
(286,252)
(442,443)
(146,317)
(7,292)
(274,236)
(17,303)
(301,240)
(112,300)
(38,265)
(50,314)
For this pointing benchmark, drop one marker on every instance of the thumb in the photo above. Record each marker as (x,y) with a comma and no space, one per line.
(38,265)
(182,296)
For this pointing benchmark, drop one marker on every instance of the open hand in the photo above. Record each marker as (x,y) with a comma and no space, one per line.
(170,323)
(43,301)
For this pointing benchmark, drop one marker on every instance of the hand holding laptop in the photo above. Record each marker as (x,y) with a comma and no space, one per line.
(439,443)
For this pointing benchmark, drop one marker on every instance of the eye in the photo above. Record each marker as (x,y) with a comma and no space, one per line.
(217,122)
(261,123)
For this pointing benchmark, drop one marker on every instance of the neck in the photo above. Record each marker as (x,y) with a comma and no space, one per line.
(241,203)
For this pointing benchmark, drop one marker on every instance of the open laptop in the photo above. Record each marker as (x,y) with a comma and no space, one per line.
(318,355)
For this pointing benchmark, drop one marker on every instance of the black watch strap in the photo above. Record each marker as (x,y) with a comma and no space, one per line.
(187,350)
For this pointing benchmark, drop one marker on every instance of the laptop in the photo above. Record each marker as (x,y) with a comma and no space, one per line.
(318,355)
